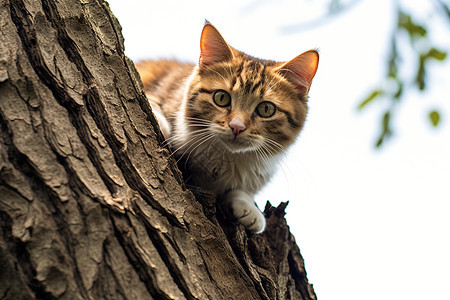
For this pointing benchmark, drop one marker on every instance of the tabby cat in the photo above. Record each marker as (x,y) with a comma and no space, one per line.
(231,117)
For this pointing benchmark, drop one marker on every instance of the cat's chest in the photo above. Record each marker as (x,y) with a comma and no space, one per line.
(219,170)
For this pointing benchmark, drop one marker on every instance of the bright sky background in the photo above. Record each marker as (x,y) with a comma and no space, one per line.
(371,224)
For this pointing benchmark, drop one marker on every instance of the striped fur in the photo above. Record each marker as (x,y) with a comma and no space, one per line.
(234,164)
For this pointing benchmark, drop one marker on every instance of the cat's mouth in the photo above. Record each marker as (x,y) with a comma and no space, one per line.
(237,143)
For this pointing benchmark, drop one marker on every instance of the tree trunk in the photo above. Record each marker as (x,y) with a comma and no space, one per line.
(92,206)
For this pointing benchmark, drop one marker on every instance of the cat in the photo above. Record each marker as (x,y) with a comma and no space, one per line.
(231,117)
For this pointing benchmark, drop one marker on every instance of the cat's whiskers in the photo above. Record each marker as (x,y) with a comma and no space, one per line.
(262,156)
(188,151)
(193,136)
(181,136)
(269,145)
(224,152)
(275,144)
(198,125)
(211,145)
(195,121)
(204,140)
(267,153)
(196,143)
(196,137)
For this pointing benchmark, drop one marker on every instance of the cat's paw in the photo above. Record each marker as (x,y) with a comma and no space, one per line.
(245,211)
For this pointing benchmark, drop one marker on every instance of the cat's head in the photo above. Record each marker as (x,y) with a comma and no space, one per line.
(246,103)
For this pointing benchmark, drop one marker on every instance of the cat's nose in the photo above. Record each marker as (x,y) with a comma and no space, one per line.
(237,125)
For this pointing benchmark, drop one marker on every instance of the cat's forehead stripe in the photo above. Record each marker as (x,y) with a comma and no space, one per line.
(237,75)
(249,76)
(260,83)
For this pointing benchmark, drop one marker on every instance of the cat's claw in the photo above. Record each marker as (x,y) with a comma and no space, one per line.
(246,211)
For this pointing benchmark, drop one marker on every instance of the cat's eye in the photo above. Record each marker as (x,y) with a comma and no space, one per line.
(266,109)
(222,98)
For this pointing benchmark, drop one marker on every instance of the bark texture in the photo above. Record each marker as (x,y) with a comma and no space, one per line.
(91,205)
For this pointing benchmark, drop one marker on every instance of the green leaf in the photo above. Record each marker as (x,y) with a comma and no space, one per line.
(379,141)
(386,131)
(386,123)
(399,91)
(435,118)
(414,30)
(420,77)
(393,60)
(373,95)
(437,54)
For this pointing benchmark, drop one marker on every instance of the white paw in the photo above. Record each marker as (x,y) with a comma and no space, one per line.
(246,211)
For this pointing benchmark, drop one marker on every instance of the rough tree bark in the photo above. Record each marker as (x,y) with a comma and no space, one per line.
(91,205)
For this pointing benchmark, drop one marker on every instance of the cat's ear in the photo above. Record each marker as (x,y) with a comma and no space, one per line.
(213,47)
(301,70)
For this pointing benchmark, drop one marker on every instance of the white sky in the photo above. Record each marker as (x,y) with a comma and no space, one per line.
(371,224)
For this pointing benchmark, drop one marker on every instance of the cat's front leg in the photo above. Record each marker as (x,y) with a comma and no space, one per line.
(162,121)
(245,210)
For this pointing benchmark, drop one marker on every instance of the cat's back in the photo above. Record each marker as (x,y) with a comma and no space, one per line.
(163,73)
(164,83)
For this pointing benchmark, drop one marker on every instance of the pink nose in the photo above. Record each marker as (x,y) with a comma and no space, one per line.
(237,125)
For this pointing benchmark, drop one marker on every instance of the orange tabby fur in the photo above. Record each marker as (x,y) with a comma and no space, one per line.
(231,149)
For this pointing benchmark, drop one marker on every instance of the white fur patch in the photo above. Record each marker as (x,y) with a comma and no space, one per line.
(162,121)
